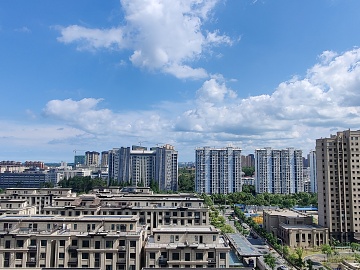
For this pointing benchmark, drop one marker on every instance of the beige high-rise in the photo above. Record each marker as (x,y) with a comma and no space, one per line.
(338,180)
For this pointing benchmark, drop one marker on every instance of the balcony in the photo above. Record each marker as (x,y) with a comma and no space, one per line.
(31,261)
(32,247)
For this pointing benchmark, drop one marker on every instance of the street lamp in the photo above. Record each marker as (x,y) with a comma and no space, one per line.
(282,247)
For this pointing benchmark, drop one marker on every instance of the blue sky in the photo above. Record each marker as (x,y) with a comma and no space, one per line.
(95,75)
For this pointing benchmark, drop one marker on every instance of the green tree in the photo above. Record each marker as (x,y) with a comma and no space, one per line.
(326,249)
(249,171)
(154,186)
(299,253)
(270,260)
(186,180)
(357,258)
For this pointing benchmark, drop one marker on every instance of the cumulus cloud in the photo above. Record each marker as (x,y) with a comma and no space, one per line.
(295,114)
(161,35)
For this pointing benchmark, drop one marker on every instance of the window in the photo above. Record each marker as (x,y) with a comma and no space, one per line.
(43,243)
(97,244)
(61,255)
(132,243)
(222,255)
(175,256)
(75,227)
(152,255)
(85,243)
(109,244)
(19,255)
(109,256)
(199,255)
(132,255)
(74,242)
(122,243)
(85,256)
(43,255)
(187,257)
(62,243)
(20,243)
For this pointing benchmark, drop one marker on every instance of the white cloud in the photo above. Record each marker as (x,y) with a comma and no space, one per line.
(295,114)
(92,39)
(162,35)
(23,29)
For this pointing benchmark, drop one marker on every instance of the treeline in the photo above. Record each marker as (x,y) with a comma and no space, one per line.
(82,184)
(248,197)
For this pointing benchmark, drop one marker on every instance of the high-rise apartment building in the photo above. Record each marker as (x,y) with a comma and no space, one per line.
(312,166)
(104,158)
(92,158)
(139,166)
(278,171)
(218,170)
(248,161)
(338,180)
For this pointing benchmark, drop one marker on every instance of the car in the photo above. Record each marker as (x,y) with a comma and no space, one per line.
(282,267)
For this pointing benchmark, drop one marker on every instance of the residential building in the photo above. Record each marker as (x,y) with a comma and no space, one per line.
(36,197)
(28,179)
(92,158)
(186,247)
(312,166)
(338,181)
(278,171)
(140,166)
(107,242)
(104,158)
(79,160)
(248,161)
(153,210)
(218,170)
(295,229)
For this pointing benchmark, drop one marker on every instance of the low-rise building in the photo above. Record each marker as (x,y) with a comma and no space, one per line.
(294,229)
(16,207)
(186,247)
(107,242)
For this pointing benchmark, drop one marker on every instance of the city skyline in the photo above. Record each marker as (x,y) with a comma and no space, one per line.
(250,74)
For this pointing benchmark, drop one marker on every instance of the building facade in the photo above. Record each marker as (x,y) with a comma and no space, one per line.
(92,158)
(338,181)
(312,166)
(107,242)
(278,171)
(139,166)
(218,170)
(295,229)
(186,247)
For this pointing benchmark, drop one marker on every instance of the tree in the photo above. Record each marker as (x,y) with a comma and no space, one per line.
(186,180)
(154,186)
(249,171)
(354,246)
(299,253)
(326,249)
(270,260)
(357,258)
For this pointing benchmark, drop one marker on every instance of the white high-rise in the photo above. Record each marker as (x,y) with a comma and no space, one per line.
(278,171)
(312,165)
(139,166)
(218,170)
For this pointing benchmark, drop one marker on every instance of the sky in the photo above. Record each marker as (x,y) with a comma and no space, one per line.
(92,75)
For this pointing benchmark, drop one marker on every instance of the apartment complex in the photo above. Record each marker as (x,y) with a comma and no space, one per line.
(218,170)
(338,181)
(295,229)
(186,247)
(107,242)
(278,171)
(107,229)
(139,166)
